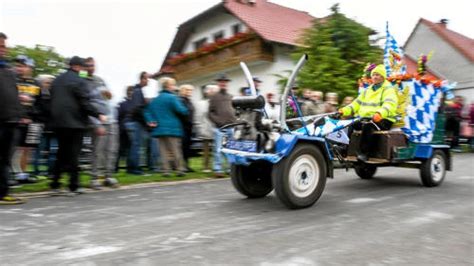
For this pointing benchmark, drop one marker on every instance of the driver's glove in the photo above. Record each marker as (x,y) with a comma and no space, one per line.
(377,117)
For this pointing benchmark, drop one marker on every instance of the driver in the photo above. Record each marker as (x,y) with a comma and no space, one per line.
(379,103)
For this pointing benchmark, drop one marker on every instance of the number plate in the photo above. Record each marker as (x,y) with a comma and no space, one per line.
(242,145)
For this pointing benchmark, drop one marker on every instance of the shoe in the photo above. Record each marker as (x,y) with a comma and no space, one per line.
(219,175)
(57,192)
(180,174)
(80,191)
(95,184)
(74,193)
(9,200)
(207,171)
(362,158)
(13,183)
(25,178)
(111,182)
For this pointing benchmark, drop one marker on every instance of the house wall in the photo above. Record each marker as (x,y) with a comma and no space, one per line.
(263,70)
(206,29)
(447,61)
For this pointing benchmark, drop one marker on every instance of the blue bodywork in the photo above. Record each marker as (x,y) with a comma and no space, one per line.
(283,146)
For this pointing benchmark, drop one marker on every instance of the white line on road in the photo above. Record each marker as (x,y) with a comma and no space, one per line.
(364,200)
(429,217)
(87,252)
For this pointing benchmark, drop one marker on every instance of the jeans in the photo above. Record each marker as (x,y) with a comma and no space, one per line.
(218,135)
(50,144)
(136,134)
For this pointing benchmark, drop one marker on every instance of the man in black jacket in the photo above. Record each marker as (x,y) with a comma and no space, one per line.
(9,116)
(70,108)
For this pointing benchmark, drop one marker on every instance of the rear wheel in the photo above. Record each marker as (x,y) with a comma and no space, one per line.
(433,170)
(365,171)
(300,178)
(254,180)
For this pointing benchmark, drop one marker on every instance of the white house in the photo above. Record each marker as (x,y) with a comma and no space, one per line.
(453,57)
(257,32)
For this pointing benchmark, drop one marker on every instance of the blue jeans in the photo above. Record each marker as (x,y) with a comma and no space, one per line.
(49,143)
(153,157)
(136,134)
(218,135)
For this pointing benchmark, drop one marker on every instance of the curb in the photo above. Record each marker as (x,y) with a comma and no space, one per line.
(44,194)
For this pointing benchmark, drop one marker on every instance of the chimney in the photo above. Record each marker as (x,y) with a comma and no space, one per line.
(443,23)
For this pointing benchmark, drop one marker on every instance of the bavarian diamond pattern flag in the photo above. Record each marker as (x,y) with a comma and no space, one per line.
(330,126)
(421,112)
(393,54)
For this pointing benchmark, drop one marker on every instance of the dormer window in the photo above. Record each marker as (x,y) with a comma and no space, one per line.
(218,35)
(236,28)
(199,43)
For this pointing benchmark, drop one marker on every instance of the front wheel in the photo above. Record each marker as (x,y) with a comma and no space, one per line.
(299,179)
(253,181)
(433,170)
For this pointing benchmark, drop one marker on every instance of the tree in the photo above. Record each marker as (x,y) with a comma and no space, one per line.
(47,60)
(338,50)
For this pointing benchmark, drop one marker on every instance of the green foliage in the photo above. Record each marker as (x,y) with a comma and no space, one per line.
(338,50)
(282,79)
(47,60)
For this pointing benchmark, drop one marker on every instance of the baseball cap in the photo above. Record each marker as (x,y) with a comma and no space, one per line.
(25,60)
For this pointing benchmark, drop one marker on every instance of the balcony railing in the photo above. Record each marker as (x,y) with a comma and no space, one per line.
(250,50)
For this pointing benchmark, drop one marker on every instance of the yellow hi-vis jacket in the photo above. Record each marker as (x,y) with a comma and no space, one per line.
(384,100)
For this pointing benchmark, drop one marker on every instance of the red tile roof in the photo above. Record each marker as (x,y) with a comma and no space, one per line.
(271,21)
(464,44)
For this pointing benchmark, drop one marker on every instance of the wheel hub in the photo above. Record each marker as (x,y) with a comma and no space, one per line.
(437,168)
(304,176)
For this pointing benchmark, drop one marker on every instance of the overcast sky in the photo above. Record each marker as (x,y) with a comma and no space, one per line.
(128,36)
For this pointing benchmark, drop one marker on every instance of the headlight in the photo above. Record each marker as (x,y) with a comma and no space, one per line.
(224,141)
(237,134)
(269,145)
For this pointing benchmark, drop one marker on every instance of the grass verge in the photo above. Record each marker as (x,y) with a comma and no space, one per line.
(122,177)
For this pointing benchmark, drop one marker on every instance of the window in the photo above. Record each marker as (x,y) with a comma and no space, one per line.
(236,28)
(199,43)
(218,35)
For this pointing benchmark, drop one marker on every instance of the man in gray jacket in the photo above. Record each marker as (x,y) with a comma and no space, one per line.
(221,113)
(105,136)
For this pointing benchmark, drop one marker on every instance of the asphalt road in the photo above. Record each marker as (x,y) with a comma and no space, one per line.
(390,220)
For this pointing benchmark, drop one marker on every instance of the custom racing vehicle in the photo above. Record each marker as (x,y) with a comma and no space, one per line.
(295,156)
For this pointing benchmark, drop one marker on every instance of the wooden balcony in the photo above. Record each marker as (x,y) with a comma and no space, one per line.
(250,50)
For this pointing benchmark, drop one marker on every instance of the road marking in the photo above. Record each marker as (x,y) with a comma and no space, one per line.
(364,200)
(87,252)
(466,177)
(429,217)
(291,261)
(34,214)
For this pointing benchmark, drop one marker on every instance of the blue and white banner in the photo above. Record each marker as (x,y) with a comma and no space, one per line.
(393,54)
(330,126)
(422,111)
